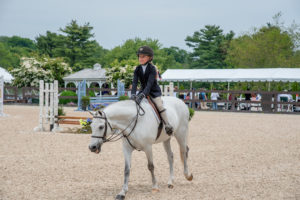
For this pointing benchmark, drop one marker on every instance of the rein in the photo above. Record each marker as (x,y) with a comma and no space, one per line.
(117,136)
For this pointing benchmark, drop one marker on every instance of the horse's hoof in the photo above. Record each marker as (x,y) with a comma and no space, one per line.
(120,197)
(155,190)
(190,178)
(170,186)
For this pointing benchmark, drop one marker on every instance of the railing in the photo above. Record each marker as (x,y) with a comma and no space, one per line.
(267,104)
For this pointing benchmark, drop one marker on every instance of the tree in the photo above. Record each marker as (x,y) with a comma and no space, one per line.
(13,48)
(77,45)
(47,44)
(127,51)
(209,47)
(267,47)
(7,59)
(180,55)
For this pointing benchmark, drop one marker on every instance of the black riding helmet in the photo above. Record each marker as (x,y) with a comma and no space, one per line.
(146,50)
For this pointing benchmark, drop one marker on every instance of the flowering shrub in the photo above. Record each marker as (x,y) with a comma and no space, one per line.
(32,70)
(122,71)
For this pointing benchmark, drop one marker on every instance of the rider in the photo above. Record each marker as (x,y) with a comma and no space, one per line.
(146,74)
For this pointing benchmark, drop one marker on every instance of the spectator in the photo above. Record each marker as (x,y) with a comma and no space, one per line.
(203,97)
(214,96)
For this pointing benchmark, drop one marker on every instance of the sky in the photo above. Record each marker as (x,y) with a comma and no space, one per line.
(115,21)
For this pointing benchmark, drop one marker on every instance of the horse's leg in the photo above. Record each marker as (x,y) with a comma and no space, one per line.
(127,151)
(168,149)
(149,155)
(181,138)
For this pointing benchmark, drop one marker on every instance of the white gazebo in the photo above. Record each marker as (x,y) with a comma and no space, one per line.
(90,75)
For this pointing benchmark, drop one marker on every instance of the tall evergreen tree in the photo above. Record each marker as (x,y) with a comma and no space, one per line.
(209,47)
(78,45)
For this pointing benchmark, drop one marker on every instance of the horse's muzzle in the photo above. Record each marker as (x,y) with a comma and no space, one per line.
(95,148)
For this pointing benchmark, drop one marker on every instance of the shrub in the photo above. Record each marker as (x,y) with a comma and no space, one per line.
(67,93)
(124,97)
(192,112)
(61,111)
(92,93)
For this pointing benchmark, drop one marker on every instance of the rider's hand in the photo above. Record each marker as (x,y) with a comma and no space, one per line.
(139,98)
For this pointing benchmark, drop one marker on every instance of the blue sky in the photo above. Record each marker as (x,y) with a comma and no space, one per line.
(115,21)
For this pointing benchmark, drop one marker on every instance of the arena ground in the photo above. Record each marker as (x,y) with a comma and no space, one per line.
(232,156)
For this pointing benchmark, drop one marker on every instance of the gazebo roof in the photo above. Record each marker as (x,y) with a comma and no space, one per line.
(89,74)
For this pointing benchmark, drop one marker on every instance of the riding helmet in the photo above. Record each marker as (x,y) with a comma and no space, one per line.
(146,50)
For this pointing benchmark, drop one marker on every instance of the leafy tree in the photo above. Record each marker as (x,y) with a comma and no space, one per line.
(128,50)
(7,59)
(13,48)
(209,47)
(180,55)
(16,41)
(267,47)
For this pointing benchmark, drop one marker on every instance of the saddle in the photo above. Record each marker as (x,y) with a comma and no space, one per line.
(160,127)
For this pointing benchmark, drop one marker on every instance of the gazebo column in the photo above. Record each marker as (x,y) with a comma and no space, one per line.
(88,83)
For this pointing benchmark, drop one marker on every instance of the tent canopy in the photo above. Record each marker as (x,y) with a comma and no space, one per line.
(232,75)
(6,75)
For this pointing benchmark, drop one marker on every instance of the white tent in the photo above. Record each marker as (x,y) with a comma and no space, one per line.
(232,75)
(7,76)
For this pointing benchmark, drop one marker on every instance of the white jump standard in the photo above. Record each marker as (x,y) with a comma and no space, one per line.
(1,95)
(48,101)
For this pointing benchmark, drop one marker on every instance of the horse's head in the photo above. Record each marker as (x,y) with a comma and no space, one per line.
(100,130)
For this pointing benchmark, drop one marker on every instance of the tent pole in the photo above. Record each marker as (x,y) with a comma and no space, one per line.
(228,86)
(191,85)
(269,86)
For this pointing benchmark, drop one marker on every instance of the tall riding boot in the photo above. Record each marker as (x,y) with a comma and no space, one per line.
(168,127)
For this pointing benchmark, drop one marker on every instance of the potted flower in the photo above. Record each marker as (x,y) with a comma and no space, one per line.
(85,102)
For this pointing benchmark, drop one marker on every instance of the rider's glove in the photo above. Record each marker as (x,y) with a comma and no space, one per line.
(139,98)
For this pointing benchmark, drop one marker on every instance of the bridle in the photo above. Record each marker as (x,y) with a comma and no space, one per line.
(117,136)
(105,127)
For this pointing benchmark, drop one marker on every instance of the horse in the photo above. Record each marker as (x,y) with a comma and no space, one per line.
(137,125)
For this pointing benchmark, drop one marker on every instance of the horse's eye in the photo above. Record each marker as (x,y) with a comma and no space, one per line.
(101,127)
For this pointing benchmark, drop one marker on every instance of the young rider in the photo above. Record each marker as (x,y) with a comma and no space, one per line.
(146,74)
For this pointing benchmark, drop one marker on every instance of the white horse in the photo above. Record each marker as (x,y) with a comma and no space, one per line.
(138,126)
